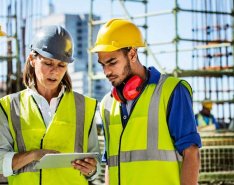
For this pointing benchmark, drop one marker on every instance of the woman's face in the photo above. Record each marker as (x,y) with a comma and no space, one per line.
(49,73)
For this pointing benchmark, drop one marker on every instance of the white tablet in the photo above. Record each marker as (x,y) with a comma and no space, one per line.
(61,160)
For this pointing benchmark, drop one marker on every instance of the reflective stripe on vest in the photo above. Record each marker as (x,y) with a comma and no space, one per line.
(152,152)
(15,116)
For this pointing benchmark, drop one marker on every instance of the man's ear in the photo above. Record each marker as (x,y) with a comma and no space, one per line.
(132,54)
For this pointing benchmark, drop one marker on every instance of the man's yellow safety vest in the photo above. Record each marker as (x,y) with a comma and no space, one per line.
(143,152)
(68,132)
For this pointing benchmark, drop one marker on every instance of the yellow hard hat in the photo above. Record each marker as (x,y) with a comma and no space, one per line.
(117,34)
(207,104)
(1,32)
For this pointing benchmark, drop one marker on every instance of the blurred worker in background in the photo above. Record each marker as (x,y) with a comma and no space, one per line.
(150,130)
(204,119)
(47,117)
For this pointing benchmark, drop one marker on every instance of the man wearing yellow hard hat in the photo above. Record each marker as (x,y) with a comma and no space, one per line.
(205,120)
(150,130)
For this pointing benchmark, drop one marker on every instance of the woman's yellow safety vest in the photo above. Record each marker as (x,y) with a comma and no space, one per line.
(68,132)
(143,152)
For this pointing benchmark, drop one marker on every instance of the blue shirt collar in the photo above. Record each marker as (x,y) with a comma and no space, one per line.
(154,75)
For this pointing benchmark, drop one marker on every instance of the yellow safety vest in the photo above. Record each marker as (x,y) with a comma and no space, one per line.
(143,152)
(201,121)
(68,132)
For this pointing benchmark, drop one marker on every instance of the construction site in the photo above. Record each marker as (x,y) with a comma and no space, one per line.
(192,40)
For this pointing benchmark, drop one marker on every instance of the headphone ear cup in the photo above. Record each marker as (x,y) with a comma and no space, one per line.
(132,88)
(118,95)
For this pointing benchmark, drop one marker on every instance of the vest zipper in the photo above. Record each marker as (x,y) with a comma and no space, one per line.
(120,139)
(119,155)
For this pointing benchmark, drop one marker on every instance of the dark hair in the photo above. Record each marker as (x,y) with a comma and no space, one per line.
(29,75)
(125,50)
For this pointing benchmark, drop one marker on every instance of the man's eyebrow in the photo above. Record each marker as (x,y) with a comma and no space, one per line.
(108,61)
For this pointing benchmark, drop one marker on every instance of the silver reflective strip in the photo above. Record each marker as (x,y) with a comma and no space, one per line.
(152,152)
(15,118)
(80,119)
(112,160)
(143,155)
(164,155)
(153,116)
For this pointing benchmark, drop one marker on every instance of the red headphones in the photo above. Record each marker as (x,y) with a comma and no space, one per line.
(130,90)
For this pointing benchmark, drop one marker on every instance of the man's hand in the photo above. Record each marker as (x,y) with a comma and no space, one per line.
(87,166)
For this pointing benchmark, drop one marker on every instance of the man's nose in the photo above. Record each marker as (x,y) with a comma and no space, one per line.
(107,71)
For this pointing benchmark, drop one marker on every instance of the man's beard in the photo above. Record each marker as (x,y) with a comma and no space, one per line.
(127,73)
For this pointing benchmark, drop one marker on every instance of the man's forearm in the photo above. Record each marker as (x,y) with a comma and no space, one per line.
(190,166)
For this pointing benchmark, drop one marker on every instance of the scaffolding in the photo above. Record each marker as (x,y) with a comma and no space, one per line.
(10,60)
(17,18)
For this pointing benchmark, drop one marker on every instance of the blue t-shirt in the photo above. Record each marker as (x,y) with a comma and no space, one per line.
(180,116)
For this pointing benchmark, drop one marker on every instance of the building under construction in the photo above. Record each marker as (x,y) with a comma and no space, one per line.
(192,40)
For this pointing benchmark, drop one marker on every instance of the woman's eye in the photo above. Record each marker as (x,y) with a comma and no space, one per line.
(48,63)
(62,66)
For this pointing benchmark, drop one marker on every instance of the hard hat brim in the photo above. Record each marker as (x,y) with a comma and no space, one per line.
(103,48)
(49,55)
(109,48)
